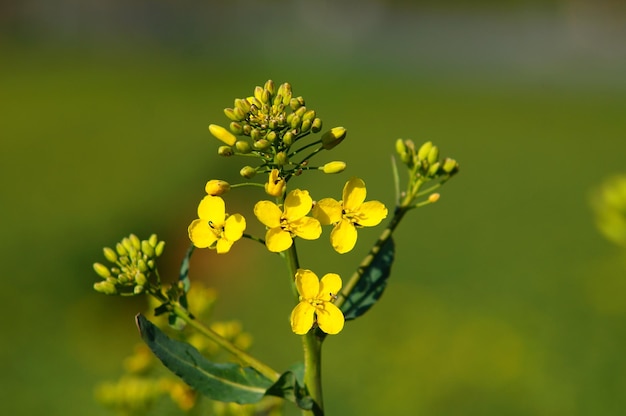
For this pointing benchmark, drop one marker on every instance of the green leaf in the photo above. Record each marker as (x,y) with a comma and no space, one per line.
(227,382)
(290,386)
(372,283)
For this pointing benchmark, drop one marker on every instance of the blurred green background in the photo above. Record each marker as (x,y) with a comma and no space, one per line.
(504,297)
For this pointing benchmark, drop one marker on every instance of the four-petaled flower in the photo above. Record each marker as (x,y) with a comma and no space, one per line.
(349,214)
(292,221)
(316,303)
(214,228)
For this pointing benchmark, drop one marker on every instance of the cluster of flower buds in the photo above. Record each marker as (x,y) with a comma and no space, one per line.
(267,124)
(133,264)
(425,162)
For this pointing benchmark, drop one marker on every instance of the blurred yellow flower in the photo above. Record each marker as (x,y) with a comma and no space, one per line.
(316,303)
(214,228)
(292,221)
(349,214)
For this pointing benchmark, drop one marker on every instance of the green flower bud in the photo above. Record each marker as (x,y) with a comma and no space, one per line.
(285,91)
(281,158)
(450,166)
(294,103)
(242,104)
(158,250)
(295,121)
(401,149)
(102,270)
(147,249)
(225,151)
(247,172)
(105,287)
(121,250)
(230,113)
(110,254)
(424,150)
(333,137)
(432,170)
(288,138)
(137,290)
(305,126)
(141,279)
(433,155)
(255,134)
(255,104)
(153,240)
(239,114)
(150,263)
(269,86)
(222,134)
(261,144)
(301,111)
(309,115)
(271,136)
(216,187)
(236,128)
(334,167)
(258,94)
(316,126)
(246,129)
(243,147)
(266,96)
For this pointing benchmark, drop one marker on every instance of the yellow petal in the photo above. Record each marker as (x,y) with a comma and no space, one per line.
(200,234)
(302,318)
(277,240)
(268,213)
(371,213)
(234,227)
(353,194)
(223,245)
(307,228)
(330,318)
(212,209)
(327,211)
(343,237)
(307,283)
(330,283)
(297,204)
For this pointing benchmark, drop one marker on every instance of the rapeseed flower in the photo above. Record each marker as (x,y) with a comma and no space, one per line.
(315,304)
(214,228)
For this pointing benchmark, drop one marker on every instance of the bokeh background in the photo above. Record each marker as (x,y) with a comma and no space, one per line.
(505,299)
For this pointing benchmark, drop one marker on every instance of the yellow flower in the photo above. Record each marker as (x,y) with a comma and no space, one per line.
(292,221)
(316,303)
(216,187)
(214,228)
(349,214)
(275,185)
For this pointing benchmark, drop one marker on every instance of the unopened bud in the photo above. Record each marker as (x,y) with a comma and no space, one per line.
(258,93)
(305,126)
(316,125)
(401,150)
(105,287)
(110,254)
(230,113)
(271,136)
(141,279)
(432,170)
(288,138)
(266,96)
(285,91)
(450,166)
(334,167)
(247,172)
(242,104)
(225,151)
(153,240)
(147,249)
(216,187)
(137,290)
(255,134)
(281,158)
(433,197)
(333,137)
(121,250)
(275,186)
(424,150)
(236,128)
(222,134)
(269,86)
(158,250)
(243,146)
(433,155)
(102,270)
(261,144)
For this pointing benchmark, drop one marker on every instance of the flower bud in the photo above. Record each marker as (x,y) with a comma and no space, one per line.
(316,125)
(266,96)
(243,146)
(137,290)
(110,254)
(432,170)
(216,187)
(236,128)
(105,287)
(102,270)
(255,134)
(424,150)
(401,150)
(305,126)
(288,138)
(147,249)
(334,167)
(269,86)
(247,172)
(261,144)
(225,151)
(300,112)
(242,104)
(230,113)
(433,197)
(158,250)
(258,93)
(433,155)
(121,250)
(153,240)
(271,136)
(309,115)
(333,137)
(285,91)
(222,134)
(275,186)
(141,279)
(281,158)
(450,166)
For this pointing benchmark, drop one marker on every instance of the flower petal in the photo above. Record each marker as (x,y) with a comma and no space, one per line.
(330,283)
(302,318)
(213,209)
(353,194)
(327,211)
(343,237)
(371,213)
(223,245)
(307,283)
(268,213)
(200,234)
(307,228)
(234,227)
(330,319)
(277,240)
(297,204)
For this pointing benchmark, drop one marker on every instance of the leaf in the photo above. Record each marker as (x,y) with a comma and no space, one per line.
(227,382)
(372,283)
(290,386)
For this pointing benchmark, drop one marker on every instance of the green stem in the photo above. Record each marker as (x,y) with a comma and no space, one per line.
(312,345)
